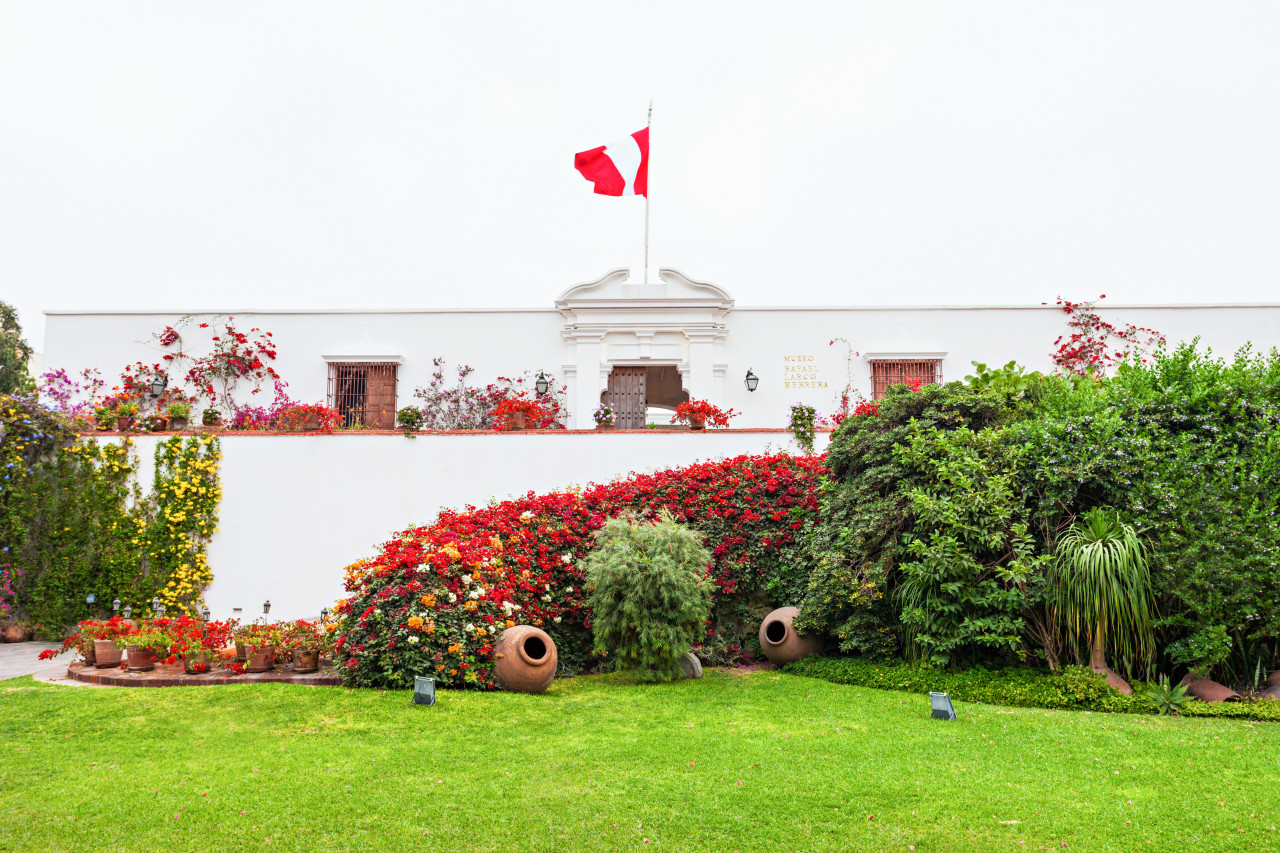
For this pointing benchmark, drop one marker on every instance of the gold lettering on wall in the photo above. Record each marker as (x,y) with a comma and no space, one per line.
(801,372)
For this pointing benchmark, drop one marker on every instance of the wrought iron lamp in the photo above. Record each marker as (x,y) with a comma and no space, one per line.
(752,381)
(324,615)
(542,385)
(424,690)
(204,612)
(942,707)
(266,607)
(128,612)
(158,384)
(115,607)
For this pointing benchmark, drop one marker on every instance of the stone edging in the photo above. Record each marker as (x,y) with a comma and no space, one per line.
(171,675)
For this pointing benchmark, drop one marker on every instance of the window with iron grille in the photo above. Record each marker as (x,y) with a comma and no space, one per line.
(364,393)
(887,372)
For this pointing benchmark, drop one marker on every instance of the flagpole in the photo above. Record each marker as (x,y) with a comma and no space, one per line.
(647,190)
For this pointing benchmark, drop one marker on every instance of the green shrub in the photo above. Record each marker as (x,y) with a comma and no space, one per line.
(1074,688)
(649,593)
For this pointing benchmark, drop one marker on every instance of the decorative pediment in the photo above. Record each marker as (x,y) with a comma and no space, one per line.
(674,288)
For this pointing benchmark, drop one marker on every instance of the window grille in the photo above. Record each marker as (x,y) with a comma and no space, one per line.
(364,393)
(887,372)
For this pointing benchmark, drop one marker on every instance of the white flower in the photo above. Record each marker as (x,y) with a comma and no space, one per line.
(470,627)
(555,620)
(480,590)
(490,629)
(546,598)
(466,579)
(452,598)
(413,640)
(526,515)
(547,587)
(473,594)
(570,589)
(566,559)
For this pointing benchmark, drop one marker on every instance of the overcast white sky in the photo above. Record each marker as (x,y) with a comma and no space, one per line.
(369,154)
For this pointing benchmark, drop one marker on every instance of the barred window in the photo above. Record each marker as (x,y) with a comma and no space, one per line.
(364,393)
(888,372)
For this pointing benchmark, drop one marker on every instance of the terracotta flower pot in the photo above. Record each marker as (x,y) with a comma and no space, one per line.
(524,660)
(307,660)
(90,655)
(178,423)
(697,422)
(240,652)
(311,422)
(517,420)
(15,634)
(1207,690)
(606,425)
(123,422)
(140,659)
(260,658)
(105,654)
(779,640)
(196,664)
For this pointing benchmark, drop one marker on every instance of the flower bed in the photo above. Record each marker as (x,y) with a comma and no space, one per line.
(436,597)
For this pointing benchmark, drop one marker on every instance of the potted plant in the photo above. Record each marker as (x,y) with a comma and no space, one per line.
(142,646)
(604,416)
(211,418)
(515,413)
(178,412)
(304,641)
(155,423)
(104,418)
(125,413)
(16,632)
(699,414)
(409,418)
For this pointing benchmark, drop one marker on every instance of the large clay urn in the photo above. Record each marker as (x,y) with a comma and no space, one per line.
(525,659)
(105,654)
(779,640)
(140,659)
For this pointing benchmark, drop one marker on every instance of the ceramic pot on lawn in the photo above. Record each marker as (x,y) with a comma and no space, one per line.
(260,658)
(105,654)
(524,660)
(779,640)
(306,660)
(140,659)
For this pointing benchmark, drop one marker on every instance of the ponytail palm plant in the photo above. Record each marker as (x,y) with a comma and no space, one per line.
(1102,590)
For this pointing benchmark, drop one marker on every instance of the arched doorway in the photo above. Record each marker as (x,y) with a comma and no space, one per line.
(633,389)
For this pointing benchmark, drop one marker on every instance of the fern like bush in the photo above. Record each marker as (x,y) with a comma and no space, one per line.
(649,593)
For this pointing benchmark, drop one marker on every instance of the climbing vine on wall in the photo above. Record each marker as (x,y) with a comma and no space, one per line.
(74,521)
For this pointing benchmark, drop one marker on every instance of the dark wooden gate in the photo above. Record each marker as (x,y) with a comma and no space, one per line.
(627,396)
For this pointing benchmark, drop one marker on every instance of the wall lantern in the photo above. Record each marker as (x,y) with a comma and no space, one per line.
(424,690)
(128,612)
(158,384)
(155,604)
(266,607)
(752,381)
(90,598)
(942,707)
(204,612)
(115,607)
(542,384)
(324,615)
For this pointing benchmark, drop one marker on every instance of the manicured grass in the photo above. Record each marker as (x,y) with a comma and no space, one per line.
(757,762)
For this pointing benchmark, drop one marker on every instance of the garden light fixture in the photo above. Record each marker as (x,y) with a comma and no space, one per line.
(266,607)
(3,430)
(424,690)
(158,384)
(155,604)
(90,598)
(542,385)
(115,606)
(160,612)
(204,612)
(324,615)
(752,381)
(128,612)
(942,707)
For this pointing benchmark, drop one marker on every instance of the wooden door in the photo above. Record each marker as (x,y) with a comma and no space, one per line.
(627,396)
(380,397)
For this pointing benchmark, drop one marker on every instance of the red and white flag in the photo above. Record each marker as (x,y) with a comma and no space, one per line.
(618,169)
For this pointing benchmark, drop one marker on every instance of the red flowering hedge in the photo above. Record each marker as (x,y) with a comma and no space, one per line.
(436,597)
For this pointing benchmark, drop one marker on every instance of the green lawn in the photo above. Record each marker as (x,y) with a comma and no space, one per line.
(756,762)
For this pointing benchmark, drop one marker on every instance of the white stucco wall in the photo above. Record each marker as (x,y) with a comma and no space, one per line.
(509,342)
(296,509)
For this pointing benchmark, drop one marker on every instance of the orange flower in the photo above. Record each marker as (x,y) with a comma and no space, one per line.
(470,605)
(428,600)
(510,624)
(415,622)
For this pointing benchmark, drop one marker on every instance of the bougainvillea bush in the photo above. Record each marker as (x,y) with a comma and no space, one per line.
(436,597)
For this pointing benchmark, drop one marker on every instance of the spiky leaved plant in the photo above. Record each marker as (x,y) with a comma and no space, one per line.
(1102,590)
(649,593)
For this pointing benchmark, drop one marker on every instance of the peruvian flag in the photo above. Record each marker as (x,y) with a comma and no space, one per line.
(618,169)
